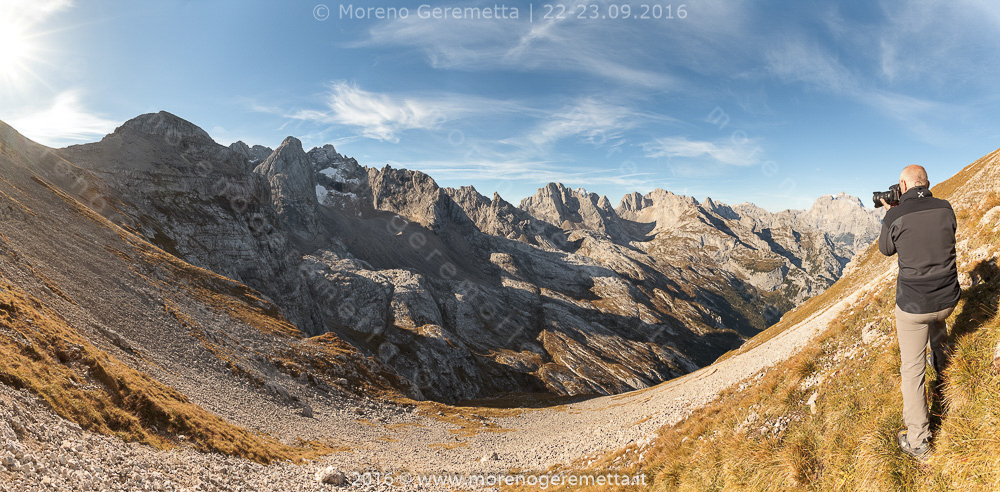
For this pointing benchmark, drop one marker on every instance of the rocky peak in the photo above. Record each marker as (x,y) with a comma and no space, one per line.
(469,194)
(631,203)
(240,148)
(659,206)
(180,146)
(720,209)
(839,202)
(254,155)
(327,161)
(498,217)
(293,185)
(411,194)
(166,125)
(604,204)
(573,209)
(844,218)
(289,158)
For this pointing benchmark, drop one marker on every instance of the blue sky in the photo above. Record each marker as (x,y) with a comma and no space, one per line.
(770,102)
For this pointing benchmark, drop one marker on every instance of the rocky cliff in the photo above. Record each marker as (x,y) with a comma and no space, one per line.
(464,295)
(124,338)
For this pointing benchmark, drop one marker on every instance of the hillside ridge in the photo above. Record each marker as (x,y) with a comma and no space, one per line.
(582,300)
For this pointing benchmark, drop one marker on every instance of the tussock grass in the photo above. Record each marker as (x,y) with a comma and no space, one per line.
(468,420)
(43,353)
(765,436)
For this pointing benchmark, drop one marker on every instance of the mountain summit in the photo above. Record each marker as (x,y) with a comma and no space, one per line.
(466,296)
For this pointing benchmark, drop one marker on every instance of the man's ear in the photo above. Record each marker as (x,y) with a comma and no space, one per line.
(904,187)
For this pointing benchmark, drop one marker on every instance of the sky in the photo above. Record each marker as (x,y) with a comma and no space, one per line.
(770,102)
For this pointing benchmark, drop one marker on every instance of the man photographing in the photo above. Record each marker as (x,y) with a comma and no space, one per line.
(921,230)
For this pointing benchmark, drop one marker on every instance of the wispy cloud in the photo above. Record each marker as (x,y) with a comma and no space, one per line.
(66,121)
(553,45)
(587,119)
(923,43)
(735,152)
(32,11)
(805,62)
(380,116)
(533,173)
(384,116)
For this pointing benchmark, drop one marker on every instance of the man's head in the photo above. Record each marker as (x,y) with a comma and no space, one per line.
(913,175)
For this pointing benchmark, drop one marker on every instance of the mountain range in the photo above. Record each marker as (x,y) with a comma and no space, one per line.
(455,294)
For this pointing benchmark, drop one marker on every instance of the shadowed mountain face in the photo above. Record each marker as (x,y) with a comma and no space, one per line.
(464,295)
(124,338)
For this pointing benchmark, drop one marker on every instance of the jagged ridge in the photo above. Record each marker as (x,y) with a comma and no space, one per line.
(463,295)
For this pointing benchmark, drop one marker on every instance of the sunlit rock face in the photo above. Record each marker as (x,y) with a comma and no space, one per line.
(464,295)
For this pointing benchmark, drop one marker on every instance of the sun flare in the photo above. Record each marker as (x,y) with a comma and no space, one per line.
(14,48)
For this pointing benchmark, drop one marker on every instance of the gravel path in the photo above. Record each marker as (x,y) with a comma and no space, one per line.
(41,450)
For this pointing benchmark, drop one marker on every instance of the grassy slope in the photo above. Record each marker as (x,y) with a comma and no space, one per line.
(43,353)
(763,434)
(42,348)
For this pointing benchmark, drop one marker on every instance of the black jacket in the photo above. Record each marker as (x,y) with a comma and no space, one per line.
(921,229)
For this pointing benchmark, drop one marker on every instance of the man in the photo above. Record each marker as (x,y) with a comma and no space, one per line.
(921,230)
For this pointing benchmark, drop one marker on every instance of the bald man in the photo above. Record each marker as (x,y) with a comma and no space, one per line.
(921,231)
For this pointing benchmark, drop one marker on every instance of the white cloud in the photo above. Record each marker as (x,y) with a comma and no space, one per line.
(535,173)
(734,151)
(65,122)
(566,45)
(590,119)
(32,11)
(805,62)
(384,116)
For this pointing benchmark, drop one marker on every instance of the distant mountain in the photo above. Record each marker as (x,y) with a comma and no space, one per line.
(462,295)
(836,344)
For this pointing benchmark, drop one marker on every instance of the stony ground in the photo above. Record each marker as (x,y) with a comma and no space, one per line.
(41,451)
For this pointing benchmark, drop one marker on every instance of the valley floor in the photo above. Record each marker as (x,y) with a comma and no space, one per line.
(404,439)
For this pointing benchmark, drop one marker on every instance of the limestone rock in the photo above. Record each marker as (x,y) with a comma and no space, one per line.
(459,294)
(331,475)
(574,209)
(293,185)
(254,155)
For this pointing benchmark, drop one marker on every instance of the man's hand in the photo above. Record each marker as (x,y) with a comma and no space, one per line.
(885,203)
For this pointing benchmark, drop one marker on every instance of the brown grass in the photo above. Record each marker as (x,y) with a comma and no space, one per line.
(765,437)
(468,420)
(46,355)
(222,294)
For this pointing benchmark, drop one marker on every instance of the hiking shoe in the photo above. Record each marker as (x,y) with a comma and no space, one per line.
(921,453)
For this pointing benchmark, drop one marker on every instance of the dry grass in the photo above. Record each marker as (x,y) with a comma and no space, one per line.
(222,294)
(468,420)
(330,358)
(766,437)
(44,354)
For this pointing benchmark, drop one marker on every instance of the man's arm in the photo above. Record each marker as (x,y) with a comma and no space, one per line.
(885,244)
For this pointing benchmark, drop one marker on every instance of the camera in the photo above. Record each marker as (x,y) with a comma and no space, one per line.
(891,197)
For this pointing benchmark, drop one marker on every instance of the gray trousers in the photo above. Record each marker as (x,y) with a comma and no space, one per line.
(915,332)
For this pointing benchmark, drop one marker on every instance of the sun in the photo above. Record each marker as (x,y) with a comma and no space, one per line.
(14,48)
